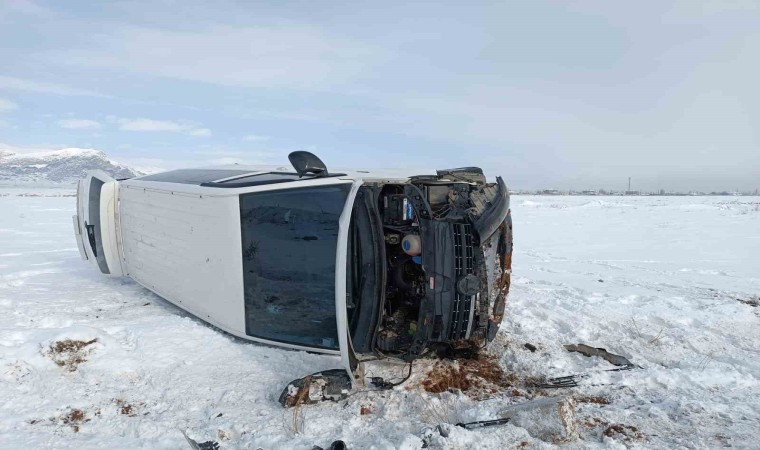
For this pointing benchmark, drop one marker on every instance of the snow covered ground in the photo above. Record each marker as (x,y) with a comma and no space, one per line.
(658,280)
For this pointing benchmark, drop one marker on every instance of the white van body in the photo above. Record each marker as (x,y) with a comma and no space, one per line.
(181,234)
(182,241)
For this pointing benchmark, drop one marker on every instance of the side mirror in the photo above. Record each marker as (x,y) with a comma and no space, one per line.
(306,162)
(333,384)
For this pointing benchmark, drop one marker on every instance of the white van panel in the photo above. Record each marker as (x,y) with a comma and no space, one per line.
(92,227)
(78,236)
(109,224)
(340,286)
(186,248)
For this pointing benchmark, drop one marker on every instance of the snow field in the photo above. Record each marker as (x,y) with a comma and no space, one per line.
(655,279)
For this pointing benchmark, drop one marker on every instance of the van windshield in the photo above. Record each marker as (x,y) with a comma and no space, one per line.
(289,240)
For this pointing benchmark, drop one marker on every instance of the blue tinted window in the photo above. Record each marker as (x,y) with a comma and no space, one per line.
(289,242)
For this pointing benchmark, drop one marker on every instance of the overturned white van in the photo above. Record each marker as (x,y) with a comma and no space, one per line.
(353,264)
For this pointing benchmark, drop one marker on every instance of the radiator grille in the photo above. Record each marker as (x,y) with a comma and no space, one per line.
(464,263)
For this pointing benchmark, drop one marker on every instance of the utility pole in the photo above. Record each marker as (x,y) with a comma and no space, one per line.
(629,183)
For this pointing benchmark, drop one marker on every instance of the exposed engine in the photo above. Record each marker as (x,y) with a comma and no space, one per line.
(405,287)
(457,203)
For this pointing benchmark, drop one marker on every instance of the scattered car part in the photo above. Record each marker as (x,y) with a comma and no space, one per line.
(208,445)
(333,385)
(443,429)
(336,445)
(589,351)
(483,423)
(549,419)
(574,380)
(568,381)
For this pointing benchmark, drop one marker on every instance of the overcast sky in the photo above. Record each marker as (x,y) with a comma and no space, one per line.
(563,94)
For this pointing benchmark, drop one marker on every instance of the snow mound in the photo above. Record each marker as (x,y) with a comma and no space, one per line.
(599,204)
(696,207)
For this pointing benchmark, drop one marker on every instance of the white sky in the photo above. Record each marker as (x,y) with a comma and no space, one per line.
(549,94)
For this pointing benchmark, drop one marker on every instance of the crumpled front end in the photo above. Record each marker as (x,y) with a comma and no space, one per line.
(469,265)
(497,251)
(453,292)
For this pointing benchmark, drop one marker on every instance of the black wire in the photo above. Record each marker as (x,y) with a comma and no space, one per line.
(383,384)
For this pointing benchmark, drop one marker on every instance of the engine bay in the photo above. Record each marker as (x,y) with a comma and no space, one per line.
(405,287)
(407,281)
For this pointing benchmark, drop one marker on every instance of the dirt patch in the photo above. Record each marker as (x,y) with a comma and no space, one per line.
(74,418)
(752,301)
(17,371)
(514,392)
(475,377)
(593,422)
(365,410)
(70,353)
(598,400)
(128,409)
(224,435)
(622,432)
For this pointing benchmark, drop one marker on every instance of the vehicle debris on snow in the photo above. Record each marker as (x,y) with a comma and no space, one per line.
(567,381)
(589,351)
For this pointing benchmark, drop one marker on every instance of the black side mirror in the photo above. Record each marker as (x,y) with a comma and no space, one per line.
(306,162)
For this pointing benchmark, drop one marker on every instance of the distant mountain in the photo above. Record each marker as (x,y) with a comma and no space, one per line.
(58,167)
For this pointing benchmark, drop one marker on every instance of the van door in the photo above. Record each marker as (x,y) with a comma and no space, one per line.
(96,222)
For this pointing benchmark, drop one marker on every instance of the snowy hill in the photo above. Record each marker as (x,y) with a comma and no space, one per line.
(57,167)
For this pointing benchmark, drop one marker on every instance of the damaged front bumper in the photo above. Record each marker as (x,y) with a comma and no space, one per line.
(467,259)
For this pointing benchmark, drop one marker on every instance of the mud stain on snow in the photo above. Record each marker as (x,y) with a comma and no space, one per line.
(69,353)
(477,378)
